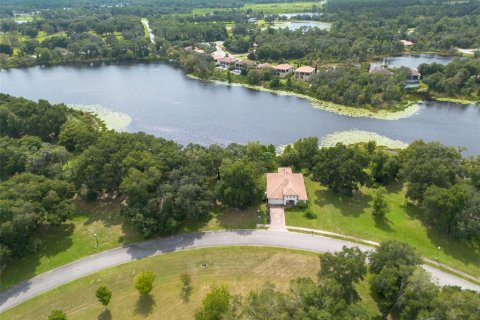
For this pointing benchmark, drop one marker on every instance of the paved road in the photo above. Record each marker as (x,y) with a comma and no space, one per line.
(56,277)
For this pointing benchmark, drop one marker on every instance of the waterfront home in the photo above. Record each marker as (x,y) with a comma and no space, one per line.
(305,73)
(243,64)
(217,56)
(226,62)
(285,187)
(413,78)
(283,70)
(414,75)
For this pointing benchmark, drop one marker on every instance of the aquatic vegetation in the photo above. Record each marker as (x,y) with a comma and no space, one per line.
(357,136)
(114,120)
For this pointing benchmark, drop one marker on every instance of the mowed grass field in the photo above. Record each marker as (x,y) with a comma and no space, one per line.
(353,216)
(283,7)
(241,269)
(76,239)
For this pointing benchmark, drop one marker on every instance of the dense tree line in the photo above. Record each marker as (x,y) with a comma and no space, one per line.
(433,26)
(461,77)
(401,288)
(19,117)
(27,203)
(357,86)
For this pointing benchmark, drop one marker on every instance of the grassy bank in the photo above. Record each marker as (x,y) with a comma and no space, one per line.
(461,100)
(76,239)
(353,216)
(240,268)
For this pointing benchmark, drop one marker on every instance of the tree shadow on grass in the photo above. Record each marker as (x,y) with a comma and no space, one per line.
(105,209)
(105,315)
(144,305)
(55,239)
(383,223)
(466,251)
(348,206)
(185,294)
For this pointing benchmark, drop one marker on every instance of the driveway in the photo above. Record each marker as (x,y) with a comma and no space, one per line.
(80,268)
(277,218)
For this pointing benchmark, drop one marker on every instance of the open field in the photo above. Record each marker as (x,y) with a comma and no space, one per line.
(42,35)
(352,216)
(240,268)
(284,7)
(76,239)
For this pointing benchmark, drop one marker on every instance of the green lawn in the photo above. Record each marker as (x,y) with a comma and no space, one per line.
(23,18)
(283,7)
(76,238)
(42,35)
(241,269)
(352,216)
(224,219)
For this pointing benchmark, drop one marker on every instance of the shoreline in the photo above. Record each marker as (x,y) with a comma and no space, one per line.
(410,109)
(455,100)
(113,120)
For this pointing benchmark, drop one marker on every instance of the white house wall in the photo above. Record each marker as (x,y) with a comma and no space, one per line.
(276,201)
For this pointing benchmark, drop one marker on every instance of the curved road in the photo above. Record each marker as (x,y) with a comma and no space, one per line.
(62,275)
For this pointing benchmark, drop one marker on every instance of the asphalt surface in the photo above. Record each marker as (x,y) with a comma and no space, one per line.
(91,264)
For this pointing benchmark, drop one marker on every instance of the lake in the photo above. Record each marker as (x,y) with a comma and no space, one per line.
(411,61)
(162,101)
(295,25)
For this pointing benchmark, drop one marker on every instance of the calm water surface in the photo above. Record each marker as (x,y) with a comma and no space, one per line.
(295,25)
(162,101)
(411,61)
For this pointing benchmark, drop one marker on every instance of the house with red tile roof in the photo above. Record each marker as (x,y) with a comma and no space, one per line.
(285,187)
(283,70)
(305,73)
(226,62)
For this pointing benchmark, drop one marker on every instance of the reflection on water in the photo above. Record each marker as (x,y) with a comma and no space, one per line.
(411,61)
(295,25)
(160,100)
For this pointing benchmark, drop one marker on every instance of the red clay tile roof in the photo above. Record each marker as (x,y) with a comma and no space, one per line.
(283,66)
(218,55)
(286,183)
(305,69)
